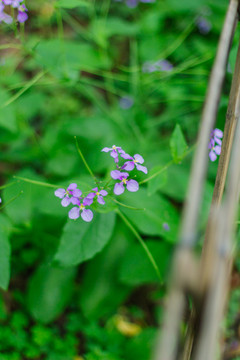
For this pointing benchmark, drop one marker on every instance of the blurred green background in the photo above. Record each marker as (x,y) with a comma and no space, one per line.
(107,74)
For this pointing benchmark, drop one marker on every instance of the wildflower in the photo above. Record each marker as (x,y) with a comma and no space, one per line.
(70,195)
(166,227)
(132,185)
(134,3)
(126,102)
(115,150)
(215,150)
(22,15)
(86,214)
(134,161)
(204,26)
(3,16)
(160,65)
(99,195)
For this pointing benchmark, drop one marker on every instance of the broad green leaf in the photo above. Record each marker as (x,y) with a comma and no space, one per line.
(178,144)
(157,182)
(70,4)
(101,290)
(4,252)
(80,240)
(136,268)
(21,209)
(158,211)
(49,290)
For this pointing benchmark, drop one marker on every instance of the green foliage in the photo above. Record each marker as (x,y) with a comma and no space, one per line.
(80,241)
(50,288)
(4,252)
(178,144)
(66,77)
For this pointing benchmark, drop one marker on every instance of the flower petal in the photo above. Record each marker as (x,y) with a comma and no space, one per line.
(66,201)
(75,201)
(126,156)
(218,133)
(212,155)
(139,158)
(95,189)
(91,195)
(118,189)
(72,186)
(87,201)
(103,192)
(132,185)
(217,140)
(142,168)
(217,149)
(100,200)
(87,215)
(114,154)
(129,166)
(60,193)
(116,174)
(76,193)
(74,213)
(106,149)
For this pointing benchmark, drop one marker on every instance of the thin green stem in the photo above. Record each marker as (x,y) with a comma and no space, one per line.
(124,205)
(35,182)
(25,88)
(157,173)
(11,200)
(142,243)
(84,160)
(7,185)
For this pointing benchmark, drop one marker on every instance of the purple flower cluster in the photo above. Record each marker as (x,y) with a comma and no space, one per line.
(74,196)
(215,144)
(134,3)
(133,161)
(22,15)
(160,65)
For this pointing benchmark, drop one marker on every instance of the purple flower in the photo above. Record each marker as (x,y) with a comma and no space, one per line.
(22,15)
(0,200)
(115,150)
(160,65)
(99,195)
(126,102)
(215,150)
(134,161)
(86,214)
(132,185)
(3,16)
(204,26)
(70,195)
(166,227)
(133,3)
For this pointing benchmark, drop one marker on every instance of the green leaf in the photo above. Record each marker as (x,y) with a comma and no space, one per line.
(49,290)
(80,240)
(178,144)
(70,4)
(158,181)
(4,252)
(158,211)
(101,290)
(136,268)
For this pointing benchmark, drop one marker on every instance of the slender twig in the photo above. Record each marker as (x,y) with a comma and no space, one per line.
(142,243)
(35,182)
(11,200)
(84,161)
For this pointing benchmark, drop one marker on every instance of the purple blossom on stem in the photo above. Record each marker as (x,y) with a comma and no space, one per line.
(204,26)
(134,161)
(126,102)
(22,15)
(132,185)
(115,150)
(166,227)
(80,210)
(215,150)
(70,195)
(99,195)
(3,16)
(160,65)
